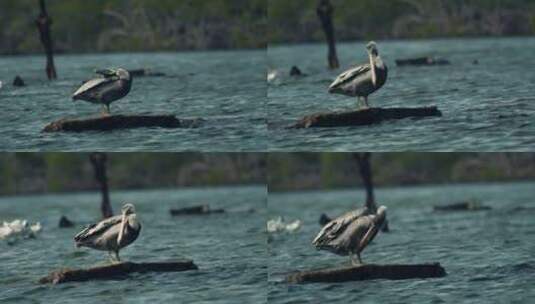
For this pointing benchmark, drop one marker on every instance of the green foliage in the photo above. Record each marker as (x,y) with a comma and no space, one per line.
(134,25)
(296,21)
(58,172)
(293,171)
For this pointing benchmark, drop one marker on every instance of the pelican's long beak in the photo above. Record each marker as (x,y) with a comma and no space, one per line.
(121,232)
(372,65)
(366,239)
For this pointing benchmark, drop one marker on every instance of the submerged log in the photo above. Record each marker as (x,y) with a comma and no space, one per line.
(195,210)
(369,272)
(462,206)
(114,271)
(363,117)
(421,61)
(113,122)
(145,73)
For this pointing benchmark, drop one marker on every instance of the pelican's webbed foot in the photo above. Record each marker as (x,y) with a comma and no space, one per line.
(105,111)
(355,261)
(114,257)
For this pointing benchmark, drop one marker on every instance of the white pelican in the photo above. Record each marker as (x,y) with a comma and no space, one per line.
(18,228)
(350,233)
(362,80)
(115,85)
(111,234)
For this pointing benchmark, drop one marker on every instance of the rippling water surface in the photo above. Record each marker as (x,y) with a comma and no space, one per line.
(486,107)
(227,89)
(489,255)
(229,248)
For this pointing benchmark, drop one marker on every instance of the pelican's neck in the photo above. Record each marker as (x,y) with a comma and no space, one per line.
(379,64)
(124,221)
(372,66)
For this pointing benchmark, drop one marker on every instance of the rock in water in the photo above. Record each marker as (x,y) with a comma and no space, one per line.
(18,82)
(64,222)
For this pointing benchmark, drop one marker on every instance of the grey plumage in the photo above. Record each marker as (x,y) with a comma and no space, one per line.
(350,233)
(114,85)
(363,80)
(111,234)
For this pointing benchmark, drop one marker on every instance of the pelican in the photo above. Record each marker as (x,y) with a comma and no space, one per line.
(362,80)
(115,84)
(350,233)
(111,234)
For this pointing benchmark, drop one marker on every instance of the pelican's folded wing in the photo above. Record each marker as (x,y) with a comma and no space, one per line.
(85,90)
(97,229)
(334,228)
(349,75)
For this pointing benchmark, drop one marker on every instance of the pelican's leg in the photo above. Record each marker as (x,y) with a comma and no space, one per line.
(108,109)
(366,102)
(117,256)
(354,262)
(110,256)
(360,260)
(359,102)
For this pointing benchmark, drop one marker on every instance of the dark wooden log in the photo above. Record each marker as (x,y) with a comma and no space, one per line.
(462,206)
(98,160)
(195,210)
(43,23)
(64,222)
(363,117)
(421,61)
(325,12)
(114,122)
(114,271)
(369,272)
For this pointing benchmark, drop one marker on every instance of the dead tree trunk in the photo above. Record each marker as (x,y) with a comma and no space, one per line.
(325,11)
(98,160)
(363,161)
(43,23)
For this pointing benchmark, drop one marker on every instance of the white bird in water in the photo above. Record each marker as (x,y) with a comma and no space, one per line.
(363,80)
(18,228)
(115,85)
(350,233)
(111,234)
(278,225)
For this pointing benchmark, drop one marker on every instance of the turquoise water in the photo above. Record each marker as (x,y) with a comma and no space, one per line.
(227,89)
(488,255)
(229,249)
(486,107)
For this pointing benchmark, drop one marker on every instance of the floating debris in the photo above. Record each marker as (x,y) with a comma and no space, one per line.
(470,205)
(195,210)
(422,61)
